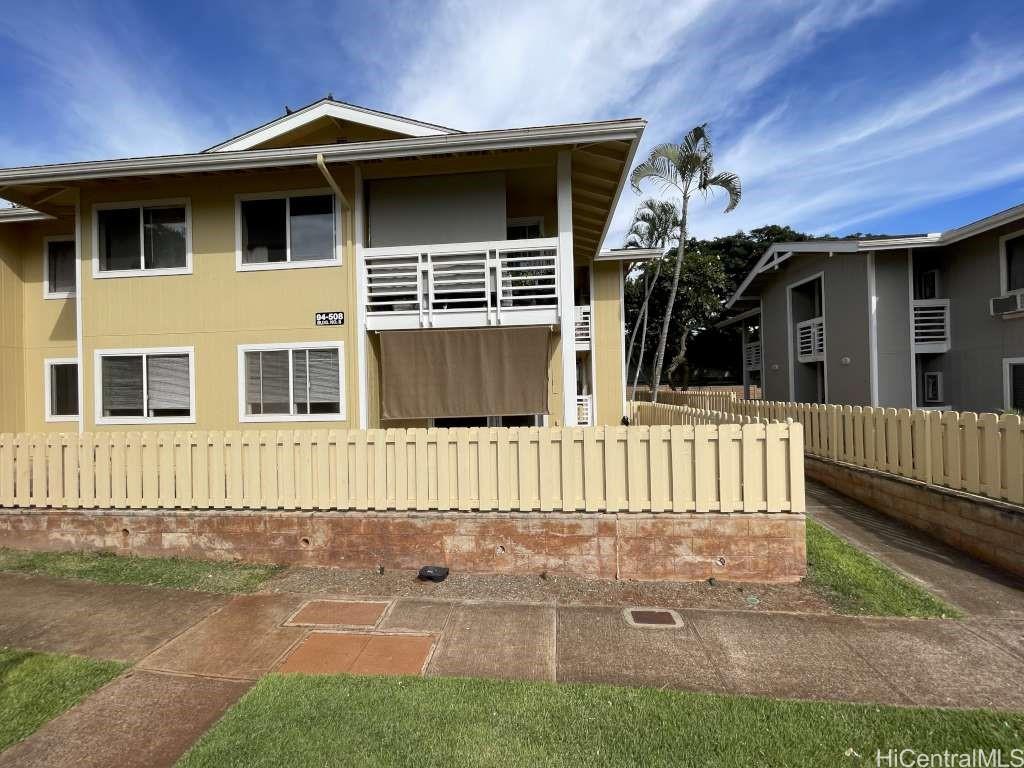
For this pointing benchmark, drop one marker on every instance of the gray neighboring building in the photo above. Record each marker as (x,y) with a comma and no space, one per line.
(925,321)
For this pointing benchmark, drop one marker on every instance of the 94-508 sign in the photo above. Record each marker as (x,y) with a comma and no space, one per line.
(330,318)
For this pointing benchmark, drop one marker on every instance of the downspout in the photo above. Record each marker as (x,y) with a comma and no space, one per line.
(330,180)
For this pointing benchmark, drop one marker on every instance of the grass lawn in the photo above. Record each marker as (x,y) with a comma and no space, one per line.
(856,583)
(174,573)
(35,687)
(299,720)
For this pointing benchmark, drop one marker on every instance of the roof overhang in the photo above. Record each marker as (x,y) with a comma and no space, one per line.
(602,153)
(777,253)
(750,313)
(328,108)
(19,215)
(629,254)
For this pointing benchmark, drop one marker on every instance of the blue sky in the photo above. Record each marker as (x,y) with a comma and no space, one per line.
(839,116)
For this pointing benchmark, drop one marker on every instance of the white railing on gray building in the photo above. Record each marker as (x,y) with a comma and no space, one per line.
(810,340)
(931,325)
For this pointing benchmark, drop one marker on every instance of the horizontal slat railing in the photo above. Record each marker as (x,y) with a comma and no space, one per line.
(978,453)
(677,468)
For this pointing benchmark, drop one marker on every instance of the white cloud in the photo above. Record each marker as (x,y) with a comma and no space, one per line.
(98,86)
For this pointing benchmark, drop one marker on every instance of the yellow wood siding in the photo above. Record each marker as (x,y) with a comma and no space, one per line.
(607,342)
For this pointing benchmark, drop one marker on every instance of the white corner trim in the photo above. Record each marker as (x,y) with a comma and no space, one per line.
(287,196)
(141,271)
(79,301)
(339,111)
(565,278)
(872,328)
(910,327)
(1008,363)
(97,395)
(47,293)
(47,364)
(360,272)
(270,418)
(791,329)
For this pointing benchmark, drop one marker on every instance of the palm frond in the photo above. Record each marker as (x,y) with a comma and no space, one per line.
(728,183)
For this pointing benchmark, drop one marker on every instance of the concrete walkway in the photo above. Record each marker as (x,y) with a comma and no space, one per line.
(974,587)
(196,654)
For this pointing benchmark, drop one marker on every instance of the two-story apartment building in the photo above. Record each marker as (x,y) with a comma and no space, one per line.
(926,321)
(336,267)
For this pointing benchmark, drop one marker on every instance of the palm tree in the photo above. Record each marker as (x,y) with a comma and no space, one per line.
(688,168)
(655,225)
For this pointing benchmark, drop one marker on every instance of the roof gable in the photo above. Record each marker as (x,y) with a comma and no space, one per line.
(328,122)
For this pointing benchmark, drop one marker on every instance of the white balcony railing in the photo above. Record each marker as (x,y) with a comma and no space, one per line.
(931,325)
(752,356)
(585,410)
(507,282)
(810,340)
(584,327)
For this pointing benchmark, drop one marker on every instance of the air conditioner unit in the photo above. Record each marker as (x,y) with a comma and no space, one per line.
(1007,305)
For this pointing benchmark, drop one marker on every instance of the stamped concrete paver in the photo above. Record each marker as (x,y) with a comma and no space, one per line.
(140,720)
(597,645)
(104,621)
(347,613)
(505,641)
(243,640)
(334,653)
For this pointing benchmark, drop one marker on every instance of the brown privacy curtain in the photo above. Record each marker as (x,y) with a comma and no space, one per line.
(464,372)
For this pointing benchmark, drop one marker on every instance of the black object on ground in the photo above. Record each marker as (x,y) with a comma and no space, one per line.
(433,573)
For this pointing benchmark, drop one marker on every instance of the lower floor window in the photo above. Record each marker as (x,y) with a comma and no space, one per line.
(61,389)
(292,382)
(150,385)
(1015,384)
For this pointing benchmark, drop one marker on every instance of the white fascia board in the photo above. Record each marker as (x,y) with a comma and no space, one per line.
(629,254)
(482,141)
(19,214)
(347,112)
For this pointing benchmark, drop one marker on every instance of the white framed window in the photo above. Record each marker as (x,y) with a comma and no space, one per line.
(287,230)
(933,387)
(1013,384)
(60,268)
(524,228)
(142,239)
(1011,263)
(60,388)
(145,386)
(291,382)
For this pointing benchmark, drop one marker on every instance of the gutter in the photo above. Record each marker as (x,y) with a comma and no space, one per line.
(517,138)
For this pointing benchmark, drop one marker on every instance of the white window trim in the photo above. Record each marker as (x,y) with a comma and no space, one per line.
(792,329)
(924,381)
(339,239)
(47,364)
(1007,381)
(268,418)
(47,293)
(141,271)
(98,356)
(1004,272)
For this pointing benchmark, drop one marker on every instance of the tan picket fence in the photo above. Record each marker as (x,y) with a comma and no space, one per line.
(977,453)
(752,468)
(708,399)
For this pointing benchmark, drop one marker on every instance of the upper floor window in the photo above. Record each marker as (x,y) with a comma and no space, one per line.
(139,386)
(1013,264)
(141,238)
(59,268)
(279,231)
(1013,383)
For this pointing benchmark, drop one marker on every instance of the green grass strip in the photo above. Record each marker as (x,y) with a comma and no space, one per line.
(856,583)
(35,687)
(299,720)
(171,572)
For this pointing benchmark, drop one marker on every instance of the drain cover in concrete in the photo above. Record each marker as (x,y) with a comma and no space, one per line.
(652,617)
(338,613)
(332,653)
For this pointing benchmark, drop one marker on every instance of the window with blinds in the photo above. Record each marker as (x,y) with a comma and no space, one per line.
(60,269)
(297,382)
(142,238)
(147,386)
(61,390)
(296,230)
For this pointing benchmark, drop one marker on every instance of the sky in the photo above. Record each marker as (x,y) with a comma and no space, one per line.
(839,116)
